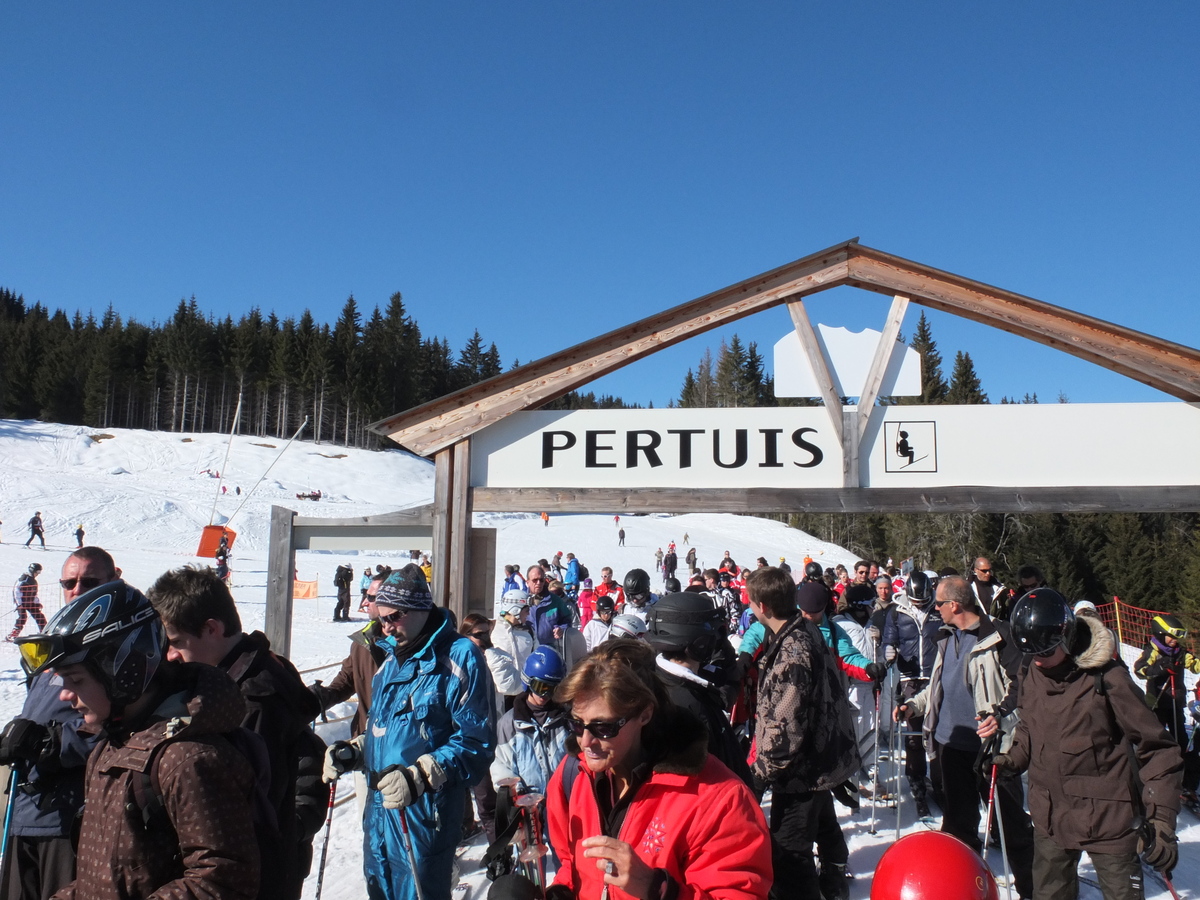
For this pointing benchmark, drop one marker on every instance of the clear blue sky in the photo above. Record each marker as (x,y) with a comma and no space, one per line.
(548,171)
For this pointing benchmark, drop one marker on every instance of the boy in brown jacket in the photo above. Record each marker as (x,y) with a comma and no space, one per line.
(190,830)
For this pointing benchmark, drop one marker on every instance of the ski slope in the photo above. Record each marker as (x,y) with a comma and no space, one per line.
(145,497)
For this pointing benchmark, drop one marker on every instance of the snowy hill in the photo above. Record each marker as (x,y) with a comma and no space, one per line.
(145,496)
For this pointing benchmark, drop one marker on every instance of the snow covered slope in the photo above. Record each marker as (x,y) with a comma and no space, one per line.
(144,496)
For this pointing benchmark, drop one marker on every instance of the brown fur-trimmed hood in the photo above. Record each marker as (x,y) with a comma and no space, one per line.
(1100,643)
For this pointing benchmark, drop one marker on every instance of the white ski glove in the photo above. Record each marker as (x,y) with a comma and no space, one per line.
(889,653)
(402,785)
(342,757)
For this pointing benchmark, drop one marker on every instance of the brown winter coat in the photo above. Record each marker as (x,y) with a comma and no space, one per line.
(1073,740)
(804,734)
(358,670)
(206,787)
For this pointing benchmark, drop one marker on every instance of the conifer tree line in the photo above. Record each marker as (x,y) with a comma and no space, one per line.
(1151,560)
(187,373)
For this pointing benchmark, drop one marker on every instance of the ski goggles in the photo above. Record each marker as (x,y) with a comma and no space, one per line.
(39,650)
(603,729)
(541,687)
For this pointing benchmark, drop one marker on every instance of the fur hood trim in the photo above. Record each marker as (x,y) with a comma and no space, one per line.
(1100,645)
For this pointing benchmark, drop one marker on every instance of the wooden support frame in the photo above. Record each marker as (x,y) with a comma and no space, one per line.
(1165,365)
(443,519)
(750,501)
(281,558)
(459,555)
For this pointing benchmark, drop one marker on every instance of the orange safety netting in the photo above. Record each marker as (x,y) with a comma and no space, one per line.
(1131,623)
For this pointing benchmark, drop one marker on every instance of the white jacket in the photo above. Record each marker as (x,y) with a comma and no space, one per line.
(517,643)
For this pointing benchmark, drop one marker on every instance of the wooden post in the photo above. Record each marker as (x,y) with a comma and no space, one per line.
(443,505)
(824,376)
(867,413)
(281,571)
(460,531)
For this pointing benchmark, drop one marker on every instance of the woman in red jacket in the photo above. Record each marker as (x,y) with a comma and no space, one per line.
(638,809)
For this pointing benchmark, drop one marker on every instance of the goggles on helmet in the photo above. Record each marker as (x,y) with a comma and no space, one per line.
(1171,627)
(542,687)
(38,651)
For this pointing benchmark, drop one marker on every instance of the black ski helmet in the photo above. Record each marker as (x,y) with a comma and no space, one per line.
(113,630)
(862,595)
(34,568)
(919,588)
(684,622)
(637,585)
(813,571)
(1041,621)
(672,586)
(1167,625)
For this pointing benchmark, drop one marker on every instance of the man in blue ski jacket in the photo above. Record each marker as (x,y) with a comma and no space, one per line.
(431,733)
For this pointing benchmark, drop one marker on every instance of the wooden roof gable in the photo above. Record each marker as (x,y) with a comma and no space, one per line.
(1170,367)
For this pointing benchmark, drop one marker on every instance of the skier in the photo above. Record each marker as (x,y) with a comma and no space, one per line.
(363,584)
(670,563)
(638,768)
(596,631)
(36,530)
(620,537)
(1162,664)
(46,746)
(910,636)
(79,536)
(686,630)
(202,625)
(1103,774)
(163,727)
(430,735)
(513,635)
(25,598)
(637,591)
(531,737)
(341,580)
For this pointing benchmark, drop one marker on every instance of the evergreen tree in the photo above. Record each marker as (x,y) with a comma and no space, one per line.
(933,383)
(964,383)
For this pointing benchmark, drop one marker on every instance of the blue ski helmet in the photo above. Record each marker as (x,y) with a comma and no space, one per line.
(543,670)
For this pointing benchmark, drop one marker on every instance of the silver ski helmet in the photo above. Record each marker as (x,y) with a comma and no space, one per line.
(113,630)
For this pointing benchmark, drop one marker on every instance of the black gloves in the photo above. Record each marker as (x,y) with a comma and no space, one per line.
(25,742)
(876,672)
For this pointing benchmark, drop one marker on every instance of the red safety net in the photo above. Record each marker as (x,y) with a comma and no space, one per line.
(1131,623)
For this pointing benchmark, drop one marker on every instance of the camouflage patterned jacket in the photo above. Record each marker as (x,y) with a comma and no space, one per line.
(805,734)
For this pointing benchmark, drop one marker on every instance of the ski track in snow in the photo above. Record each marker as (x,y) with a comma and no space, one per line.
(142,496)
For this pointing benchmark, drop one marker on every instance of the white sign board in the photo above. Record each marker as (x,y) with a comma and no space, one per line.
(1134,444)
(849,355)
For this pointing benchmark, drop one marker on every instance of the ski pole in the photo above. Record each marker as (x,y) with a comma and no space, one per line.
(1003,841)
(412,856)
(12,796)
(987,827)
(875,786)
(896,743)
(325,846)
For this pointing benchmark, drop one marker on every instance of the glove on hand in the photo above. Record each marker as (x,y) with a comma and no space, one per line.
(402,785)
(1005,765)
(889,653)
(1163,851)
(24,741)
(342,757)
(873,634)
(875,671)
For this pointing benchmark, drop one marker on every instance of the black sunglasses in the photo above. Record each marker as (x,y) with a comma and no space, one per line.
(86,584)
(392,618)
(601,729)
(479,634)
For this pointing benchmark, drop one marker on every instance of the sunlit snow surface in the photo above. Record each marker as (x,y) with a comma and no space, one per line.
(143,496)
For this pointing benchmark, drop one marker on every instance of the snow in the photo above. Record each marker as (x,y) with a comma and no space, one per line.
(145,497)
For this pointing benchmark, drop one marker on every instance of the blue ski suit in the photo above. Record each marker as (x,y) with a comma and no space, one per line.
(437,701)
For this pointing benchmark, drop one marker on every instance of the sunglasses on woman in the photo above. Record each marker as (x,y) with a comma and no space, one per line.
(604,730)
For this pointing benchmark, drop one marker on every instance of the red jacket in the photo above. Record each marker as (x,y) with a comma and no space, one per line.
(692,817)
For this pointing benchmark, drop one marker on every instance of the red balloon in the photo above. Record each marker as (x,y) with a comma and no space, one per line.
(932,865)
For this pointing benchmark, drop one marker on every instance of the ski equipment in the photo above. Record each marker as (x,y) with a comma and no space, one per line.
(1163,625)
(685,622)
(919,588)
(628,626)
(1041,621)
(543,670)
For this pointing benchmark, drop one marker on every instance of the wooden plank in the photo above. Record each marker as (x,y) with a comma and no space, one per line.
(443,517)
(879,363)
(1167,366)
(824,376)
(440,423)
(418,515)
(460,530)
(1183,498)
(281,566)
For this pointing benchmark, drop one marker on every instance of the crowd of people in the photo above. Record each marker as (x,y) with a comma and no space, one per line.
(610,738)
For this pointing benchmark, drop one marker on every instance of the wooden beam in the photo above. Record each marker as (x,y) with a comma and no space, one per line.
(281,568)
(442,422)
(1165,365)
(418,515)
(443,518)
(867,413)
(824,375)
(460,530)
(752,501)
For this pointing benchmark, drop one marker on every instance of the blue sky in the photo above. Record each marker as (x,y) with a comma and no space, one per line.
(546,172)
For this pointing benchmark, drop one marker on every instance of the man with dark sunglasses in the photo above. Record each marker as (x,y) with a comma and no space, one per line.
(991,594)
(45,746)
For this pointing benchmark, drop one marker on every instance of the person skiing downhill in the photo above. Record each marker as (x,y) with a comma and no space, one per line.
(36,530)
(25,598)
